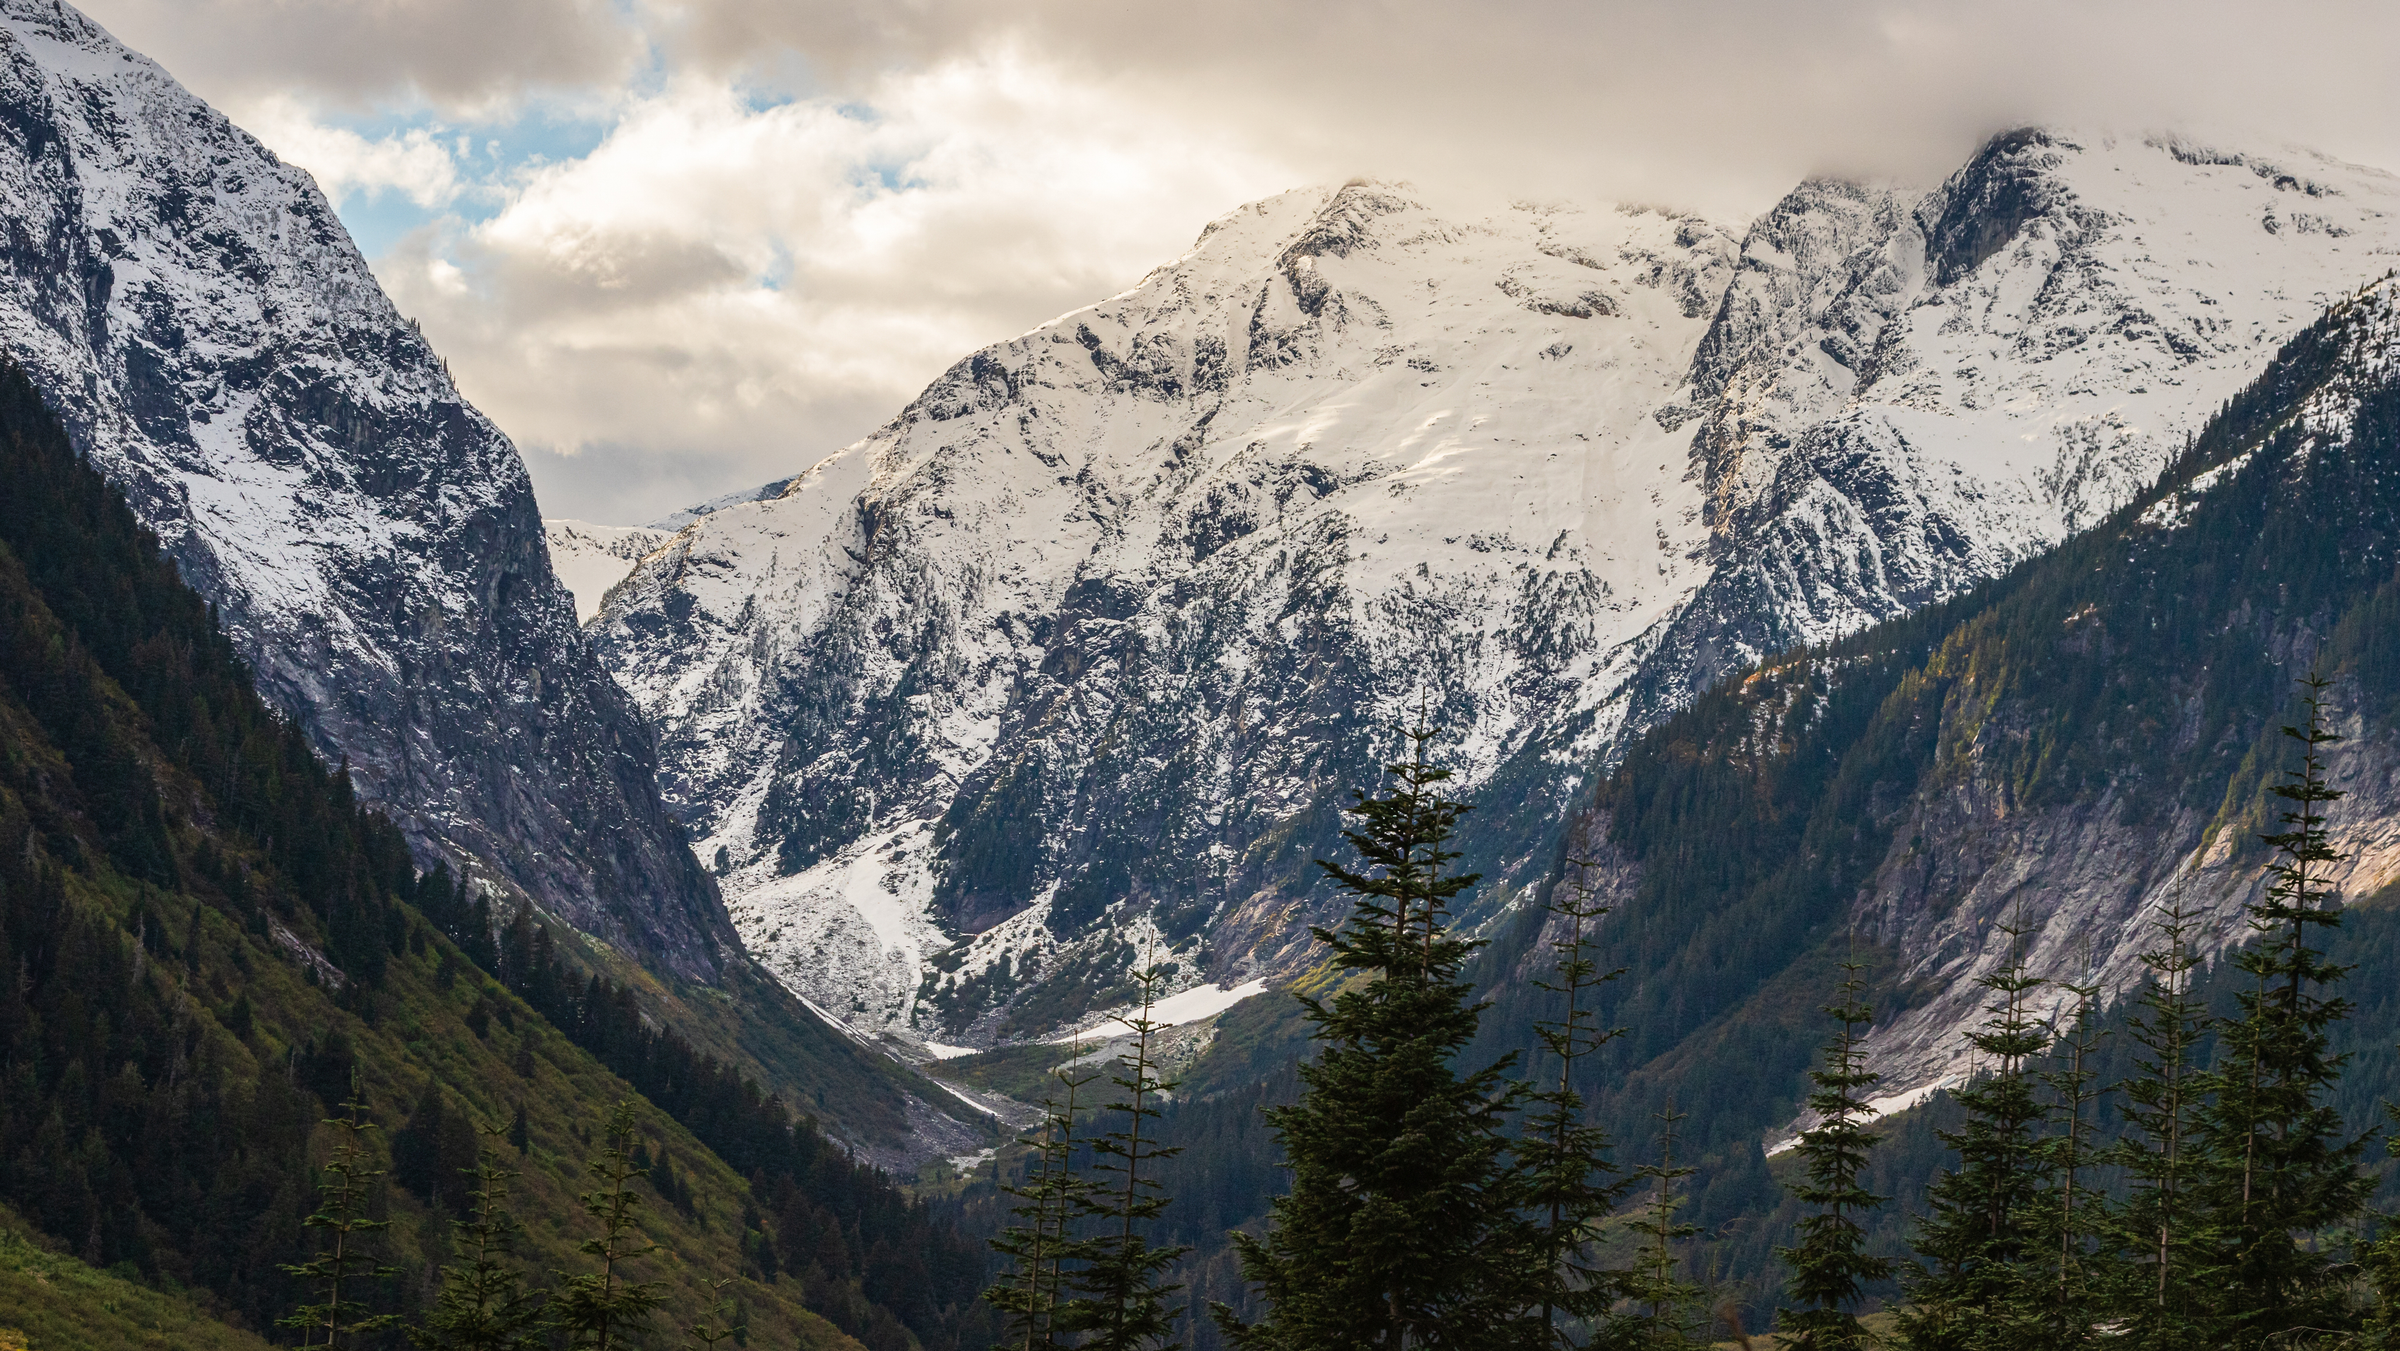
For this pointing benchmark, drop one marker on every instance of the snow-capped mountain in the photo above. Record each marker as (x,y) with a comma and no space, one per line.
(197,315)
(1083,651)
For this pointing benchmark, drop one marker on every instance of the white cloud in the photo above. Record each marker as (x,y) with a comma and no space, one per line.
(771,282)
(413,162)
(721,290)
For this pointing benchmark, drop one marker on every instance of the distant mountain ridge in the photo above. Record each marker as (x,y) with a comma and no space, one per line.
(201,321)
(1081,652)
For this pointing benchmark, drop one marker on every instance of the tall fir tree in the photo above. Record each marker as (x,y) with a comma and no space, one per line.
(1664,1303)
(1040,1246)
(1121,1301)
(2155,1231)
(2279,1172)
(1979,1247)
(483,1303)
(1829,1266)
(1570,1185)
(1400,1229)
(347,1189)
(606,1308)
(2071,1219)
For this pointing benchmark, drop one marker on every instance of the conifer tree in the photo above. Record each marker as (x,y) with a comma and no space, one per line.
(600,1309)
(1979,1248)
(1829,1265)
(346,1191)
(1041,1244)
(1121,1303)
(716,1323)
(2155,1230)
(1400,1228)
(483,1304)
(2071,1213)
(1664,1300)
(1570,1186)
(2279,1171)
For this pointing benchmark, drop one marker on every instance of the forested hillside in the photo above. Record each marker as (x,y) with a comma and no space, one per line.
(212,941)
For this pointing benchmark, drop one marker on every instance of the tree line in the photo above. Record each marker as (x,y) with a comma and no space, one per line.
(1435,1203)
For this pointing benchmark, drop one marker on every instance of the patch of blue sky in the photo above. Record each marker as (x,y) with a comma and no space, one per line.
(487,157)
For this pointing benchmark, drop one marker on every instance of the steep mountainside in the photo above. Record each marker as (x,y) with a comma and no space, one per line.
(207,937)
(2074,746)
(195,312)
(1081,651)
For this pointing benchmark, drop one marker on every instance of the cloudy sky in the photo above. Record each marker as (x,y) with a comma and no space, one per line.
(678,247)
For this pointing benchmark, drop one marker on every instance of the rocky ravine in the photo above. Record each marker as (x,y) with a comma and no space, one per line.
(1081,652)
(198,316)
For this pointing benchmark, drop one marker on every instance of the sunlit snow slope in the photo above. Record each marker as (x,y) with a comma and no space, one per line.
(589,559)
(1083,650)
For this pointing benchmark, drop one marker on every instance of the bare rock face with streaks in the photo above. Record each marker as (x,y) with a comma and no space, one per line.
(1080,655)
(195,312)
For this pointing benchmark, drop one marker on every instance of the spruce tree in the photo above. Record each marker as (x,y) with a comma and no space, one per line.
(2071,1215)
(1663,1300)
(483,1304)
(2279,1170)
(1829,1265)
(1979,1250)
(1040,1245)
(346,1190)
(1121,1302)
(2155,1230)
(1570,1186)
(1400,1228)
(601,1309)
(716,1323)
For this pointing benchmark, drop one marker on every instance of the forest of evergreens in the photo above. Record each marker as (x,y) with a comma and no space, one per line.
(214,946)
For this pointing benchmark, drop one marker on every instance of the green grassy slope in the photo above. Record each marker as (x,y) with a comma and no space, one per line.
(51,1302)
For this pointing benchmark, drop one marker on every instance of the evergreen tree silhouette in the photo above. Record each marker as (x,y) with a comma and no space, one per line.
(2154,1231)
(1978,1249)
(1829,1265)
(599,1309)
(2278,1170)
(1400,1228)
(346,1192)
(1122,1299)
(483,1304)
(1040,1245)
(1570,1185)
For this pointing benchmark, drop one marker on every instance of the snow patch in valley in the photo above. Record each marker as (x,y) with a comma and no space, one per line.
(1187,1006)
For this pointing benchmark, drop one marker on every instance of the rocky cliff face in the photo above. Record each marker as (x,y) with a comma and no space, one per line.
(1906,393)
(201,321)
(1081,653)
(2047,765)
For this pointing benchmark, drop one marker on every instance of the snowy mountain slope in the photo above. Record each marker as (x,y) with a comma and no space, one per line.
(1083,650)
(1905,394)
(1145,580)
(196,313)
(589,559)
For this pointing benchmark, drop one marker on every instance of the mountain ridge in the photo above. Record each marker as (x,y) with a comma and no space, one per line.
(956,782)
(199,318)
